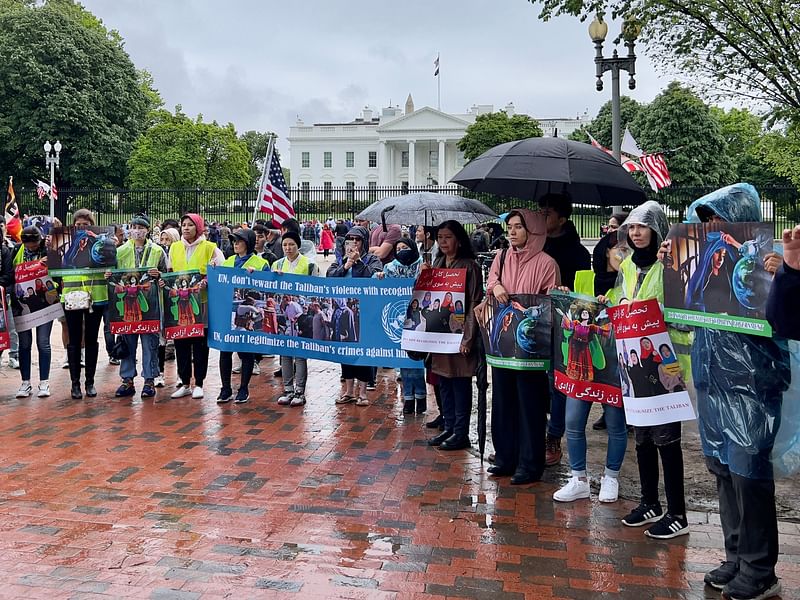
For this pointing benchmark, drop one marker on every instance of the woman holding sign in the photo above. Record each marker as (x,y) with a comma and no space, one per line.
(520,397)
(455,371)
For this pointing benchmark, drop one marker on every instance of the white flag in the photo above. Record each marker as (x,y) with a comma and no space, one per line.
(629,145)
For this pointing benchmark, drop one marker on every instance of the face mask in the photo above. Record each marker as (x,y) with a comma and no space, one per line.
(405,257)
(137,234)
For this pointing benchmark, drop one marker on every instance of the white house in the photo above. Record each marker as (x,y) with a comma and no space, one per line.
(408,147)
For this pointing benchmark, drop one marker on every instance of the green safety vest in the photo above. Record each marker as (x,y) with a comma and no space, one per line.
(199,260)
(94,283)
(255,262)
(303,266)
(126,256)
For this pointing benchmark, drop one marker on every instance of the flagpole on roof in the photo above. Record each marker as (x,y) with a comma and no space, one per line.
(438,76)
(264,171)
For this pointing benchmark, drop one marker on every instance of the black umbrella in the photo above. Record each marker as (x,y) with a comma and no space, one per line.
(427,208)
(482,381)
(529,169)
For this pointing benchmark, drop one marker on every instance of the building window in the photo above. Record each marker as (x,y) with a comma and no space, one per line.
(350,190)
(373,159)
(460,159)
(350,160)
(404,159)
(327,190)
(373,190)
(305,190)
(404,187)
(305,160)
(433,158)
(327,160)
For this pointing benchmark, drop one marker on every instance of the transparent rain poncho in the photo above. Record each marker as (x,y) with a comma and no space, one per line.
(743,381)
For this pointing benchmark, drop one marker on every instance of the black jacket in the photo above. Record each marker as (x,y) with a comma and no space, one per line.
(569,253)
(781,311)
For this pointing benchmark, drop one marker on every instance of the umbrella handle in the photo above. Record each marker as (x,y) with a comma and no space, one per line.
(383,217)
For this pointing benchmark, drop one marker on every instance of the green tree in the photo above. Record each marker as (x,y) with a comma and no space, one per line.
(730,49)
(495,128)
(257,144)
(600,127)
(678,123)
(64,76)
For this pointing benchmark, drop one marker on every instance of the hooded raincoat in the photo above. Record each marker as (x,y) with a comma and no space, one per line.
(366,266)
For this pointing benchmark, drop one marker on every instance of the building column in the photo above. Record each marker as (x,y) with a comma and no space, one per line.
(383,164)
(412,165)
(442,176)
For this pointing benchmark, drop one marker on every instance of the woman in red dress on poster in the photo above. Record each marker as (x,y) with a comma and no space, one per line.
(579,359)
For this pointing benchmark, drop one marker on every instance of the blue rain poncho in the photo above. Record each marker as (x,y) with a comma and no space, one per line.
(741,380)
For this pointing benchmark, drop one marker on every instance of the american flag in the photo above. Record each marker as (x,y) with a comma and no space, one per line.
(628,163)
(43,189)
(656,168)
(274,194)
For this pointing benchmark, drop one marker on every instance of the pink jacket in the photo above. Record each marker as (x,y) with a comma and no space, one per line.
(528,270)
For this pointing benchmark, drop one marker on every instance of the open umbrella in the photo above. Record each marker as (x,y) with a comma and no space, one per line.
(427,208)
(529,169)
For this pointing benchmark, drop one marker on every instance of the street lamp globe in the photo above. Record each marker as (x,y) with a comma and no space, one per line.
(598,29)
(631,29)
(57,147)
(48,146)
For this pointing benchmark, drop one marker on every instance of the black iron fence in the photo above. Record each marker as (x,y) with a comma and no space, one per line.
(780,205)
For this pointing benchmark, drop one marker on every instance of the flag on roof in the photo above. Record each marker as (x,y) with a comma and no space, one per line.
(274,195)
(436,66)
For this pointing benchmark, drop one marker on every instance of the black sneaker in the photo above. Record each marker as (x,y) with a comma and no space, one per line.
(668,527)
(722,575)
(744,588)
(371,386)
(225,395)
(642,515)
(242,396)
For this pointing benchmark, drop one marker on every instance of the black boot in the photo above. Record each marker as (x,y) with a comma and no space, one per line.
(422,405)
(91,391)
(437,423)
(76,392)
(437,441)
(408,407)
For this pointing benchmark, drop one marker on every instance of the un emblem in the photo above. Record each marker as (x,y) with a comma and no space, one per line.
(392,319)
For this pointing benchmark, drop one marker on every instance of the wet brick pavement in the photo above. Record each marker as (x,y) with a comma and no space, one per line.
(184,500)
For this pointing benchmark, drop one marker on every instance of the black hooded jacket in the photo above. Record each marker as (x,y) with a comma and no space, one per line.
(569,253)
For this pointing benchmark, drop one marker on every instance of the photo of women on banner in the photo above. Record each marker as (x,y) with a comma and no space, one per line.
(35,300)
(134,302)
(435,315)
(5,337)
(70,248)
(653,386)
(714,276)
(518,335)
(584,355)
(185,309)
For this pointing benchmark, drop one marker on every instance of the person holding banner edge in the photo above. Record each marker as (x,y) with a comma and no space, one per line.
(455,371)
(140,252)
(192,252)
(519,398)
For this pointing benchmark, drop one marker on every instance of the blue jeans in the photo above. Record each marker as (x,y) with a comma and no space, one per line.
(456,404)
(13,351)
(127,369)
(413,384)
(558,406)
(43,347)
(577,416)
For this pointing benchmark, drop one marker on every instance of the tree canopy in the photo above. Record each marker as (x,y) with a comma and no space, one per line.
(495,128)
(741,50)
(64,76)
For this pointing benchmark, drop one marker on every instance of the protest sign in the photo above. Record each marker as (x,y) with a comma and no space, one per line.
(350,321)
(134,302)
(434,317)
(5,337)
(714,276)
(584,356)
(36,299)
(518,335)
(185,306)
(80,248)
(653,386)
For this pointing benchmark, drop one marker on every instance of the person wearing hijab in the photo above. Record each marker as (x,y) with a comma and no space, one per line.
(651,360)
(406,261)
(641,278)
(520,398)
(669,371)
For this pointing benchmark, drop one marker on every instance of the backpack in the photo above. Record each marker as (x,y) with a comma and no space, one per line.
(479,242)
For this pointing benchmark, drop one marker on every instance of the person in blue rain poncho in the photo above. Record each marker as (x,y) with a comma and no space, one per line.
(740,381)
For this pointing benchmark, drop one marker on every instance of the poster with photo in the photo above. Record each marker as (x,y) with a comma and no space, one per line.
(518,335)
(653,386)
(77,248)
(434,320)
(184,304)
(584,354)
(36,298)
(134,302)
(5,337)
(714,276)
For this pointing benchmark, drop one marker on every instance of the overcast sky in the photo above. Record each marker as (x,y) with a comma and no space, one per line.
(261,63)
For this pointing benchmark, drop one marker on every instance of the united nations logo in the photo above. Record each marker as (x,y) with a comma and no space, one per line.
(392,319)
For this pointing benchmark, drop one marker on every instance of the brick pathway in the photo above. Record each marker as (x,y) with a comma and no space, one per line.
(182,499)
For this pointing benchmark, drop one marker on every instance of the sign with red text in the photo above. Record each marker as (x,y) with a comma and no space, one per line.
(133,297)
(5,337)
(35,300)
(584,358)
(434,319)
(653,385)
(185,306)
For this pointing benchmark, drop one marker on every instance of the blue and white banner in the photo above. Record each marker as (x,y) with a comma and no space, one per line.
(343,320)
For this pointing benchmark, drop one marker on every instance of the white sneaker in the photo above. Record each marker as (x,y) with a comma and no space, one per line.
(237,366)
(13,362)
(181,392)
(574,490)
(609,489)
(44,389)
(65,364)
(197,392)
(256,369)
(25,389)
(83,357)
(159,381)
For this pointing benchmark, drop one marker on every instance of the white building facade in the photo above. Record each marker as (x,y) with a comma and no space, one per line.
(408,148)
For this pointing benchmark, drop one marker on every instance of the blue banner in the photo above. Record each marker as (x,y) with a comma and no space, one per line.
(343,320)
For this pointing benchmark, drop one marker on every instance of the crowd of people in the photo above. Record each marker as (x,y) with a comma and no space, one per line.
(540,252)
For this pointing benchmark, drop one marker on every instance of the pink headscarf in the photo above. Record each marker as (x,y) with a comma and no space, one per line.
(197,220)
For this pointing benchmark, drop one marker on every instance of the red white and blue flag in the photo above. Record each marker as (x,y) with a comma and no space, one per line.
(274,195)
